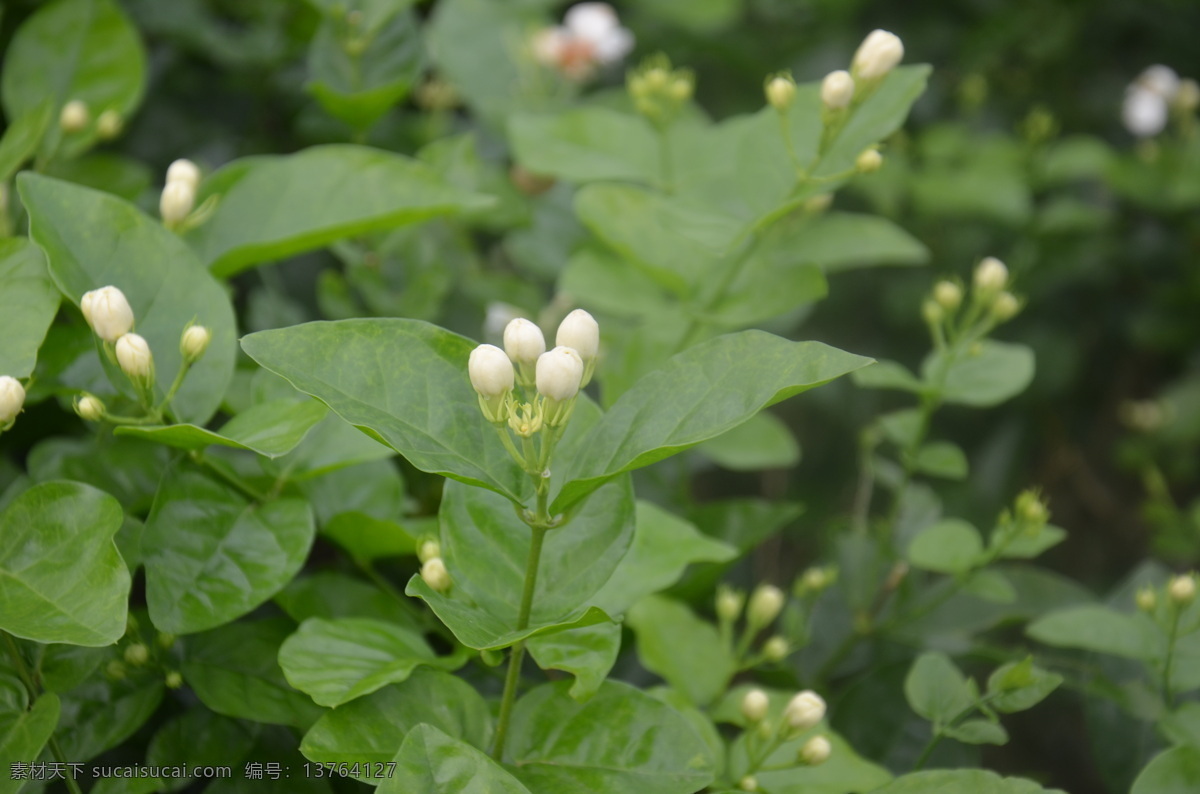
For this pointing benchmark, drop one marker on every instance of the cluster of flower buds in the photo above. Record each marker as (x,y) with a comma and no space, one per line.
(557,374)
(1179,592)
(659,91)
(802,713)
(12,400)
(1150,99)
(764,606)
(433,567)
(590,37)
(989,297)
(179,195)
(816,580)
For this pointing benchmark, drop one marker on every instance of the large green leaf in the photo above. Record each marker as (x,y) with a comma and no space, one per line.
(587,652)
(1097,628)
(28,303)
(94,239)
(959,781)
(61,576)
(699,394)
(404,380)
(335,661)
(212,556)
(274,206)
(102,712)
(586,144)
(22,136)
(682,648)
(1174,771)
(126,468)
(333,595)
(198,737)
(949,546)
(621,741)
(983,376)
(372,728)
(837,241)
(23,734)
(272,428)
(937,690)
(234,672)
(764,441)
(75,49)
(431,762)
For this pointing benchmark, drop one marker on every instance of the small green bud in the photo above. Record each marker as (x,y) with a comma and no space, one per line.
(869,161)
(435,574)
(89,407)
(428,548)
(137,654)
(165,640)
(991,275)
(1031,508)
(115,670)
(1146,599)
(491,658)
(174,680)
(775,649)
(948,295)
(74,116)
(766,602)
(932,312)
(729,603)
(1005,307)
(780,91)
(748,783)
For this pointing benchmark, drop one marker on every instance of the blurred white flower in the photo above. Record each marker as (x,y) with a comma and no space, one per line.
(590,36)
(1144,112)
(1160,79)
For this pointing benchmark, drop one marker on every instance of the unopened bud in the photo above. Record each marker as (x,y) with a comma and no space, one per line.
(948,295)
(755,705)
(74,116)
(434,572)
(176,203)
(492,377)
(991,275)
(1005,307)
(115,670)
(165,640)
(748,783)
(766,602)
(818,203)
(109,125)
(107,312)
(12,399)
(775,649)
(815,579)
(869,161)
(135,358)
(580,331)
(184,171)
(428,549)
(1187,96)
(559,374)
(780,91)
(729,603)
(137,654)
(523,342)
(682,87)
(932,312)
(173,680)
(804,711)
(815,751)
(194,342)
(1182,589)
(877,55)
(837,89)
(1031,508)
(90,408)
(1146,599)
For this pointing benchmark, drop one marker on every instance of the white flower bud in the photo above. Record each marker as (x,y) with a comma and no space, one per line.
(804,710)
(815,751)
(109,124)
(775,649)
(766,602)
(133,354)
(107,312)
(1005,307)
(780,92)
(176,202)
(877,55)
(991,275)
(429,549)
(869,161)
(1160,79)
(183,171)
(1182,589)
(932,312)
(580,332)
(837,89)
(434,572)
(1144,112)
(729,603)
(12,399)
(948,295)
(74,116)
(748,783)
(1146,599)
(491,372)
(90,408)
(194,342)
(559,374)
(523,341)
(755,705)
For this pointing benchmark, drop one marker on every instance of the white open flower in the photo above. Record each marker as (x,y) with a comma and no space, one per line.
(491,372)
(877,55)
(134,356)
(837,89)
(804,710)
(559,374)
(1160,79)
(590,36)
(579,331)
(523,341)
(1144,112)
(107,312)
(12,399)
(754,705)
(177,200)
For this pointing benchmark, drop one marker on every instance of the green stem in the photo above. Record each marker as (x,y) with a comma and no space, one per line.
(941,731)
(506,439)
(518,652)
(178,382)
(1172,635)
(34,692)
(224,475)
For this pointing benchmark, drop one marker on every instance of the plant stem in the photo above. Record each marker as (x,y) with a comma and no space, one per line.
(236,482)
(1172,635)
(35,692)
(518,652)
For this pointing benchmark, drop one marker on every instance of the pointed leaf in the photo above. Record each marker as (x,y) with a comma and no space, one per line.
(23,734)
(585,145)
(936,689)
(682,648)
(272,429)
(1174,771)
(28,303)
(588,653)
(1097,628)
(431,762)
(949,546)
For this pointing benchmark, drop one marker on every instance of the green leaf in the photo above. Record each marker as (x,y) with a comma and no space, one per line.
(764,441)
(372,728)
(700,393)
(936,689)
(978,731)
(682,648)
(23,734)
(75,49)
(406,381)
(942,459)
(359,88)
(234,672)
(102,713)
(94,239)
(585,145)
(878,117)
(1096,628)
(838,241)
(1026,546)
(887,375)
(108,172)
(991,586)
(587,652)
(1174,771)
(1018,686)
(331,445)
(1182,726)
(901,427)
(28,303)
(197,738)
(275,206)
(959,781)
(431,762)
(985,376)
(61,667)
(333,595)
(61,577)
(845,771)
(664,545)
(336,661)
(621,741)
(764,288)
(22,137)
(602,281)
(950,546)
(272,428)
(126,468)
(212,556)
